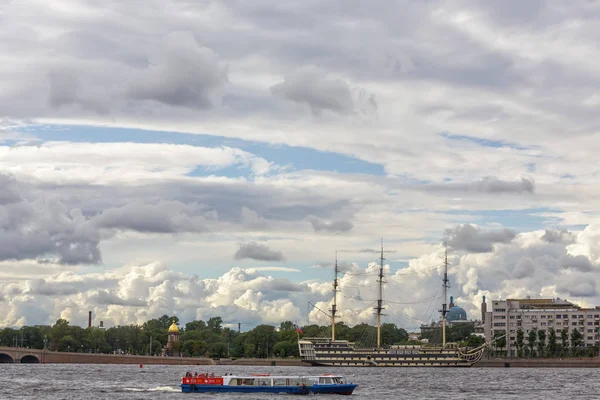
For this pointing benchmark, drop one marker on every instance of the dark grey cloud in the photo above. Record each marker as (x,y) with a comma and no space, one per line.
(257,251)
(282,285)
(331,226)
(558,236)
(161,217)
(525,268)
(473,239)
(65,223)
(9,193)
(578,286)
(46,228)
(309,86)
(377,251)
(183,74)
(488,185)
(343,266)
(579,263)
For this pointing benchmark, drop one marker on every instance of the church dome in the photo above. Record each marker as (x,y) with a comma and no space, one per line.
(456,314)
(173,328)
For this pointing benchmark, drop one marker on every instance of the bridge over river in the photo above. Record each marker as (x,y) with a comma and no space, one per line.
(36,356)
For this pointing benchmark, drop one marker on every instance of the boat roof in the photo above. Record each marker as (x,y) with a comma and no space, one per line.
(255,376)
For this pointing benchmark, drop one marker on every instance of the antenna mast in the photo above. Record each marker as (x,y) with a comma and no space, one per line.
(445,287)
(380,299)
(334,305)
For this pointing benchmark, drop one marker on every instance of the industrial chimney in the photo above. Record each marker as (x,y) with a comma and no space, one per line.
(90,319)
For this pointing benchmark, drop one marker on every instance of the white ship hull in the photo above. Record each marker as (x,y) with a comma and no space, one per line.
(343,354)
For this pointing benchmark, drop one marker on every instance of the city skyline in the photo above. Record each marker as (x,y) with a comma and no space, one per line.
(209,159)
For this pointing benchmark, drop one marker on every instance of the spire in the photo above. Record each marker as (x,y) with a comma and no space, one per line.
(334,305)
(379,307)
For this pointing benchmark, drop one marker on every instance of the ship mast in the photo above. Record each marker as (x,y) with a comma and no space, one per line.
(334,305)
(445,287)
(380,299)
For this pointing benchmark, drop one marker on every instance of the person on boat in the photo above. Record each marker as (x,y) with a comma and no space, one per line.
(195,375)
(212,374)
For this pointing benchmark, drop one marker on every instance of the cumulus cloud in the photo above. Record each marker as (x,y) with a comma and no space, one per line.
(555,236)
(474,239)
(186,74)
(331,226)
(257,251)
(312,87)
(132,294)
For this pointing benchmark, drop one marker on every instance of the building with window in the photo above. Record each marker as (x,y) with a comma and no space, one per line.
(508,316)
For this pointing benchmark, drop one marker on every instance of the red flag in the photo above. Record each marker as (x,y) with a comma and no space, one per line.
(298,329)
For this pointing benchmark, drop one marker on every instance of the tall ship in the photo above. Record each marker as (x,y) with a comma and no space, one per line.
(342,353)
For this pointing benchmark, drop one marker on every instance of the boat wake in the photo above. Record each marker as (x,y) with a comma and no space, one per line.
(156,389)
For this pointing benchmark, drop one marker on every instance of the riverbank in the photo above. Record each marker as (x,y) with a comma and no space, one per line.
(582,362)
(263,362)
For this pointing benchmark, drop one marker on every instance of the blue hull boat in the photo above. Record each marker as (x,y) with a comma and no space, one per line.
(322,384)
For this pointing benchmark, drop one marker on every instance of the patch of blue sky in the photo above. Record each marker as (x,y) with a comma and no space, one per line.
(483,142)
(300,158)
(232,171)
(519,220)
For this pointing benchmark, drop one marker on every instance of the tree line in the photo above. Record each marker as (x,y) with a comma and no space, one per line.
(197,338)
(539,343)
(463,334)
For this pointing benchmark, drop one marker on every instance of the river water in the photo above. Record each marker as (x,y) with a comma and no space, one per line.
(90,382)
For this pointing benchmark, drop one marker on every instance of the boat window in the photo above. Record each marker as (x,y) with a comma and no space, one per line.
(325,381)
(280,382)
(248,382)
(263,382)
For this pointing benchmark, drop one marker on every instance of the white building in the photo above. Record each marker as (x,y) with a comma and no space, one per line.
(508,316)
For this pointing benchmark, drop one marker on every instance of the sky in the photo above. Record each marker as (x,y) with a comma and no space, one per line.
(210,158)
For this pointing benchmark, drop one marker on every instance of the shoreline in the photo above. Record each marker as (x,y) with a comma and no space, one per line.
(23,355)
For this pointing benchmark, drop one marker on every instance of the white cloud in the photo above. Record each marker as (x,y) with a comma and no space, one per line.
(131,294)
(473,111)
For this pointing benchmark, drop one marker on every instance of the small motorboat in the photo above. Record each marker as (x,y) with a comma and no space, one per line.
(265,383)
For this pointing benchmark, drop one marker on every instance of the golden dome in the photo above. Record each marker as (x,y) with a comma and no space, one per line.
(173,328)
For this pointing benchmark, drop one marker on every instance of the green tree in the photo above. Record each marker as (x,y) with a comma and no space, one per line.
(391,334)
(474,341)
(214,324)
(249,350)
(195,326)
(520,342)
(532,339)
(500,341)
(541,342)
(363,333)
(285,349)
(459,332)
(287,326)
(195,348)
(551,342)
(564,337)
(576,341)
(218,350)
